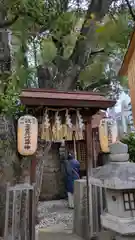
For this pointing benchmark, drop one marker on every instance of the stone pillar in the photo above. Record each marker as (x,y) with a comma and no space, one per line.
(80,209)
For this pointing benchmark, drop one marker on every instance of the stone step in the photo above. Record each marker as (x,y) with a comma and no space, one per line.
(58,236)
(105,235)
(54,204)
(56,232)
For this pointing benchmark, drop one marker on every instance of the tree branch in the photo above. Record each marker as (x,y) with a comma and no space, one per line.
(130,10)
(8,23)
(29,14)
(59,46)
(86,41)
(97,52)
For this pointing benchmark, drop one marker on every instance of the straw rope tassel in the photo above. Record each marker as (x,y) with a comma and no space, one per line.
(74,141)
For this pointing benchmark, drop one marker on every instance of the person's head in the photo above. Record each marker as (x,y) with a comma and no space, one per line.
(70,156)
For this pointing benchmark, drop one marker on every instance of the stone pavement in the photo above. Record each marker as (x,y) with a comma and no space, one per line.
(56,221)
(53,213)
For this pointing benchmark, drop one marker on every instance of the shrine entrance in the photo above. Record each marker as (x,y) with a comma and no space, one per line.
(52,109)
(81,151)
(81,154)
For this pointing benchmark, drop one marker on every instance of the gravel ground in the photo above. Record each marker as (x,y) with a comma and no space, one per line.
(55,212)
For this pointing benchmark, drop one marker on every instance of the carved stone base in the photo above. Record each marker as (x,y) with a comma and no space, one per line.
(124,226)
(125,237)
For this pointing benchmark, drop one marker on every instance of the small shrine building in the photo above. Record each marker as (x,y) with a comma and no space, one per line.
(65,116)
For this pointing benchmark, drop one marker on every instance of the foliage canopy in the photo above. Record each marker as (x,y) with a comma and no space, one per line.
(64,44)
(130,141)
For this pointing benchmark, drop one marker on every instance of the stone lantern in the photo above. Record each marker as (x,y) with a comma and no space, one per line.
(118,179)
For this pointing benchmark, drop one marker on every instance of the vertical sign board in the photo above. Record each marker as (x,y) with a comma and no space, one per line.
(27,135)
(108,134)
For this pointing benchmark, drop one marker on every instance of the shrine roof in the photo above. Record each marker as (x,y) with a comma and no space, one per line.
(128,55)
(43,97)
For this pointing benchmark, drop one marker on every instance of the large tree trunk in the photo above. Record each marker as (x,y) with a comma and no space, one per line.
(10,165)
(85,45)
(6,153)
(5,60)
(69,71)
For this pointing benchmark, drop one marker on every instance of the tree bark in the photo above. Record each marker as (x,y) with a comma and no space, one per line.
(85,43)
(5,60)
(131,11)
(67,75)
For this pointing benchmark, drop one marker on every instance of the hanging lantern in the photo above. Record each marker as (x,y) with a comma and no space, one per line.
(27,135)
(107,134)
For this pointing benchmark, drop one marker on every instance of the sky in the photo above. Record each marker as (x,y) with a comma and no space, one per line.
(122,97)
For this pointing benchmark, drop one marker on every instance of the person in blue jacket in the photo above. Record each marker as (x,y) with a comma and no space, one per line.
(72,170)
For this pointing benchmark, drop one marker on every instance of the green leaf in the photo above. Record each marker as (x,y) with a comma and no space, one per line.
(48,50)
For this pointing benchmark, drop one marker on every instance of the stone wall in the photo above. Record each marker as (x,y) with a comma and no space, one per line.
(53,182)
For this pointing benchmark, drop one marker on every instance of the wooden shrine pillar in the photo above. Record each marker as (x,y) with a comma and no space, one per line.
(89,166)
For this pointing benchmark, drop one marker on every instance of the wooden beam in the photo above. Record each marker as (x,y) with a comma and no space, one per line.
(89,166)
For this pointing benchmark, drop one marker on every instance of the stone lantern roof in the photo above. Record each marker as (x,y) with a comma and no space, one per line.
(119,173)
